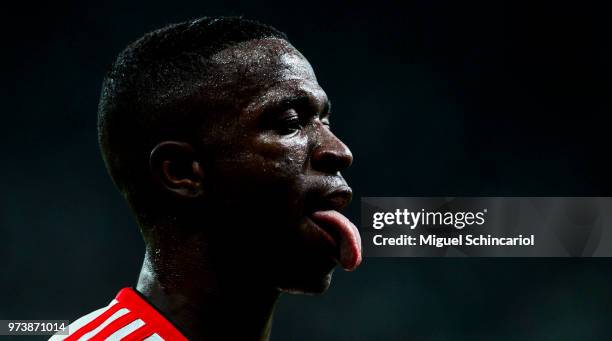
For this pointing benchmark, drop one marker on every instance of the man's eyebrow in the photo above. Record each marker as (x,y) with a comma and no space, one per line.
(300,102)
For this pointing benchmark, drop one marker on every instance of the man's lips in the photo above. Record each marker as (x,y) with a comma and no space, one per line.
(345,236)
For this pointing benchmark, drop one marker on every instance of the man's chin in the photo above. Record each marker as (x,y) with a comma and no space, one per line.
(312,285)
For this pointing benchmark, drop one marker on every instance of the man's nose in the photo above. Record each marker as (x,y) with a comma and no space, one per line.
(331,155)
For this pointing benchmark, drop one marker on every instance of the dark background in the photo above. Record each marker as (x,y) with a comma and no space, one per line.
(434,98)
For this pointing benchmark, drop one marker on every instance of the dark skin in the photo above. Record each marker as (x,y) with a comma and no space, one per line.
(238,231)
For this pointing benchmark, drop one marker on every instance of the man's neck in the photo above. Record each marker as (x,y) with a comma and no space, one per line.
(204,302)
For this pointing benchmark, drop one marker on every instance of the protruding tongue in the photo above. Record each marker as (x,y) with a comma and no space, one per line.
(341,228)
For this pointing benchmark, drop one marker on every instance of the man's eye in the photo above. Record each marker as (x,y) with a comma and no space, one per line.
(289,125)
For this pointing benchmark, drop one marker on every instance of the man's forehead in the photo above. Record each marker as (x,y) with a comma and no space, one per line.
(262,61)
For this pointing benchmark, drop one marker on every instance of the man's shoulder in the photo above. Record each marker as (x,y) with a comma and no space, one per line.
(82,321)
(127,316)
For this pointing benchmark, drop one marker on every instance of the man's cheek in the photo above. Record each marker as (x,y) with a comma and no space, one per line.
(272,146)
(275,162)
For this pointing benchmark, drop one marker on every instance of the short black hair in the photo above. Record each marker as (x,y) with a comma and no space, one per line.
(144,93)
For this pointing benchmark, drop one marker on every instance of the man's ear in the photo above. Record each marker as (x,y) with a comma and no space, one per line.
(176,168)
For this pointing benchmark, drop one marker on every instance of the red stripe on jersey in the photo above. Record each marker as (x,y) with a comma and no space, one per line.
(94,323)
(130,299)
(139,334)
(114,326)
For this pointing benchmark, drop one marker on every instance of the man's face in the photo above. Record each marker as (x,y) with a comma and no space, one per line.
(274,168)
